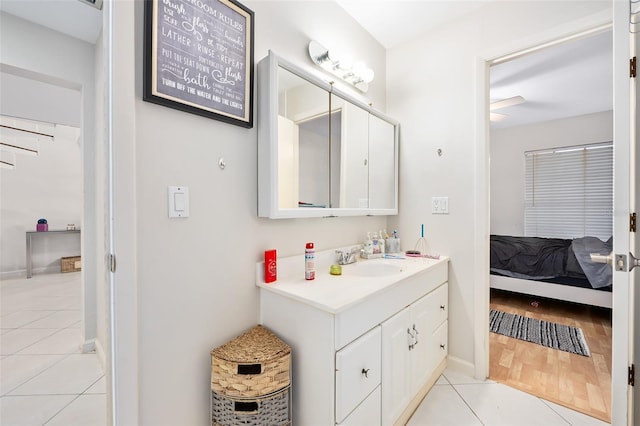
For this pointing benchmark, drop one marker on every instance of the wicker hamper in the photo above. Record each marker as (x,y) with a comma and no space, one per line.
(272,410)
(253,364)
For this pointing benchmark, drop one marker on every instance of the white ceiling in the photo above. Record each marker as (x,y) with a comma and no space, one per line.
(393,22)
(568,80)
(72,17)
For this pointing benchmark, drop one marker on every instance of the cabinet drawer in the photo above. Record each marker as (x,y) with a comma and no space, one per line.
(440,345)
(357,372)
(437,307)
(367,413)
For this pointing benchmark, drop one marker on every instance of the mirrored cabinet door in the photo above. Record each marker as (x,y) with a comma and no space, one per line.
(317,146)
(353,165)
(303,143)
(382,164)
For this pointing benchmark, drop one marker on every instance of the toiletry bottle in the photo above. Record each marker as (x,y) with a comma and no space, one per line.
(376,243)
(270,266)
(368,246)
(309,262)
(381,243)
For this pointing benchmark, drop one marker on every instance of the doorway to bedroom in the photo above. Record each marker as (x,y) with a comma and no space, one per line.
(551,195)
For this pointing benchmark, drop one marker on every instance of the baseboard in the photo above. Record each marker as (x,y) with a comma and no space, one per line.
(11,275)
(22,273)
(461,366)
(417,399)
(101,355)
(89,346)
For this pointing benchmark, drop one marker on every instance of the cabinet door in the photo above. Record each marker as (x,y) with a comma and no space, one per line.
(395,366)
(421,317)
(357,372)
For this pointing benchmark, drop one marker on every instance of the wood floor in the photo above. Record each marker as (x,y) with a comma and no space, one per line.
(580,383)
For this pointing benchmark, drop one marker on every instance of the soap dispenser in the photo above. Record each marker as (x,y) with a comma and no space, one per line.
(381,242)
(368,246)
(376,243)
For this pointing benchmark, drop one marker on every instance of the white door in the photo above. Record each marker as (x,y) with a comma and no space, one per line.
(635,243)
(623,239)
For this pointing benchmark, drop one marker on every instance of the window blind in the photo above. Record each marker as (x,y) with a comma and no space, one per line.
(569,192)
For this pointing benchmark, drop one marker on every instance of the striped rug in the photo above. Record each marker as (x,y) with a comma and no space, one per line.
(550,334)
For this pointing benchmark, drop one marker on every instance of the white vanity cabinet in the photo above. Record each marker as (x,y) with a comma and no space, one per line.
(349,340)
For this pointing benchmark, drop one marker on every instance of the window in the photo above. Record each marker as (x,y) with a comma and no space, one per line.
(569,192)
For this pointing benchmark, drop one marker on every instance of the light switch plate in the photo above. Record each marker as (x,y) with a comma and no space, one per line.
(439,205)
(178,197)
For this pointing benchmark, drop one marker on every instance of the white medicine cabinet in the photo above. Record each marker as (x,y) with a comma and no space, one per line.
(321,152)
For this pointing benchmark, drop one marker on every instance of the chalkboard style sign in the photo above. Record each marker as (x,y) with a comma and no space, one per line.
(199,58)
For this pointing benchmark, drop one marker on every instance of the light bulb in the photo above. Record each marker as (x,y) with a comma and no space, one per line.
(367,75)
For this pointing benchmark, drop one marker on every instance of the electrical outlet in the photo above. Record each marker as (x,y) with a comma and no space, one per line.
(439,205)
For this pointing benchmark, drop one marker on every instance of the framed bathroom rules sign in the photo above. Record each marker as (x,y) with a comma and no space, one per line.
(198,58)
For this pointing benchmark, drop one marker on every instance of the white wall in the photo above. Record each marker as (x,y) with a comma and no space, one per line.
(431,89)
(47,186)
(36,52)
(508,146)
(194,278)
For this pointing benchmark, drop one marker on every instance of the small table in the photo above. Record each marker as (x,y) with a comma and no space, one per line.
(30,235)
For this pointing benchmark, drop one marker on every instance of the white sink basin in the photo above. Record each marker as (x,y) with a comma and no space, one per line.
(372,268)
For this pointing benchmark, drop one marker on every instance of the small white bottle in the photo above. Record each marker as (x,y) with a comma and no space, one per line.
(309,262)
(368,246)
(376,243)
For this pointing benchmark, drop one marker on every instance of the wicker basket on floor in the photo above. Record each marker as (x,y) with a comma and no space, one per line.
(254,364)
(70,264)
(272,410)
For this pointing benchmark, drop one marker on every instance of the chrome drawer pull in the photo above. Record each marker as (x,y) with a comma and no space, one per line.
(366,372)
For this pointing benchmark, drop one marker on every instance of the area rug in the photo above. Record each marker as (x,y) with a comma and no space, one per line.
(550,334)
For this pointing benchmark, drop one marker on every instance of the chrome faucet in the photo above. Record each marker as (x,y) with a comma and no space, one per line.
(347,256)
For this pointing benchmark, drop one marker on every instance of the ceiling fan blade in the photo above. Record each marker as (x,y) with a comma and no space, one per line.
(494,116)
(516,100)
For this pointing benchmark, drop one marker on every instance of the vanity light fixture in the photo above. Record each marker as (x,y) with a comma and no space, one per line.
(357,74)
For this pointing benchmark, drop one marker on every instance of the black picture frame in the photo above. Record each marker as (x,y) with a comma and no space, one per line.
(198,58)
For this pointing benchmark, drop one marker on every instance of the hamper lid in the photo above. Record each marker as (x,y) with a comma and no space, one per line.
(255,345)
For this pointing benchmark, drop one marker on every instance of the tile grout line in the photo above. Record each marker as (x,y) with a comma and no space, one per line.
(59,330)
(64,356)
(60,410)
(545,402)
(465,401)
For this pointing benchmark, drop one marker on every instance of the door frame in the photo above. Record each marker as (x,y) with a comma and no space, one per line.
(612,18)
(119,18)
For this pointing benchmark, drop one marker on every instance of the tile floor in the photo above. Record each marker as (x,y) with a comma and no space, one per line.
(459,400)
(45,379)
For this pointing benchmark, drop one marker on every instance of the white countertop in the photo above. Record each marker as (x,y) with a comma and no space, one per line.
(335,293)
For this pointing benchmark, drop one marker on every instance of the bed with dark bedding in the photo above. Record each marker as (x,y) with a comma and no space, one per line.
(552,267)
